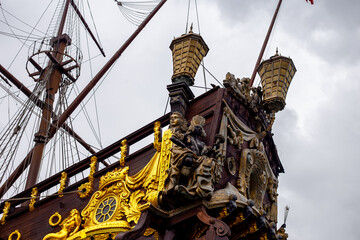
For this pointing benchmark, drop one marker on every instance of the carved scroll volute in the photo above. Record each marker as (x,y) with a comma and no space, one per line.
(87,188)
(34,193)
(124,152)
(62,183)
(5,213)
(245,160)
(253,175)
(157,136)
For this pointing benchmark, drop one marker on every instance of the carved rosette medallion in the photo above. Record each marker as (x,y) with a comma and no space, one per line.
(106,209)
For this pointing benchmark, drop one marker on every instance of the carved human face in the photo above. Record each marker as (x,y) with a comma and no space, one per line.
(198,130)
(174,120)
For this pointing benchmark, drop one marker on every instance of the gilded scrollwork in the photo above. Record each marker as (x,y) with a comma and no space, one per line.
(120,199)
(86,189)
(124,152)
(133,210)
(34,193)
(62,183)
(69,226)
(238,219)
(157,134)
(5,213)
(151,232)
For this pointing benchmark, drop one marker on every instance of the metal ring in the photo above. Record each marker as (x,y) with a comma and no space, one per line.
(17,233)
(51,219)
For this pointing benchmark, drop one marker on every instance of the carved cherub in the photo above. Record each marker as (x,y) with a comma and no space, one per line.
(69,226)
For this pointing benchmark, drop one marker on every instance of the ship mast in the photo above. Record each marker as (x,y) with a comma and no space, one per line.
(265,42)
(52,78)
(52,75)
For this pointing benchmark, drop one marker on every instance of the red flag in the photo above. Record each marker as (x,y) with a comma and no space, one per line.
(311,1)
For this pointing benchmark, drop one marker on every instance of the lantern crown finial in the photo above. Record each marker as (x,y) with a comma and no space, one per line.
(191,28)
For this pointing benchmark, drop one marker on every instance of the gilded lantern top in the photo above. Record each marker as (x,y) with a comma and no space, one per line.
(187,52)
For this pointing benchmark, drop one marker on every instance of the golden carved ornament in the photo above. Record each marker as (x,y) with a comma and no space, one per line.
(51,219)
(157,132)
(87,188)
(15,233)
(264,237)
(34,193)
(5,212)
(62,184)
(124,152)
(224,213)
(117,205)
(281,234)
(69,226)
(239,218)
(112,177)
(251,229)
(150,231)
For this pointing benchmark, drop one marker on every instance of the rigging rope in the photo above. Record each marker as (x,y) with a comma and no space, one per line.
(136,12)
(29,34)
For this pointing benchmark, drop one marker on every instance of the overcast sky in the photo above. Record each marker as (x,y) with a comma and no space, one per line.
(317,135)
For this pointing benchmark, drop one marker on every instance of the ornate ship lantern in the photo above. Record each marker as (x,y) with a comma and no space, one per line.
(276,74)
(187,52)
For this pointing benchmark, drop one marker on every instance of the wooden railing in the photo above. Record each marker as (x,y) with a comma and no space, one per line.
(101,155)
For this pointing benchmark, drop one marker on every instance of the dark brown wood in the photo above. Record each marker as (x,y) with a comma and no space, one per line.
(217,228)
(52,85)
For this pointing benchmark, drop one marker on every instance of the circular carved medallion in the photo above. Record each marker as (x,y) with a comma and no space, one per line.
(105,210)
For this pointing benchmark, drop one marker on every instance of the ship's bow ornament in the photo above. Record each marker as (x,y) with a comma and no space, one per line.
(194,167)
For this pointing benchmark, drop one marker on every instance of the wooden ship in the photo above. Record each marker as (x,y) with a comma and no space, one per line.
(210,173)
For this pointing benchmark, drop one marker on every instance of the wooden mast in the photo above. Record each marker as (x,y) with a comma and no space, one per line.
(265,42)
(60,121)
(52,79)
